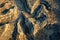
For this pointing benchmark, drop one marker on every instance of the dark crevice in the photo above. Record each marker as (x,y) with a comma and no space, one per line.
(24,5)
(26,28)
(29,25)
(1,5)
(48,6)
(36,11)
(40,7)
(23,25)
(11,7)
(7,10)
(15,32)
(41,18)
(1,24)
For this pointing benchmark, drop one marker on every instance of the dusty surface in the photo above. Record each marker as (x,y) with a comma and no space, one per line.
(30,20)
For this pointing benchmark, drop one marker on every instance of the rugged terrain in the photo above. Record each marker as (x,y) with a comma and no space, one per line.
(29,19)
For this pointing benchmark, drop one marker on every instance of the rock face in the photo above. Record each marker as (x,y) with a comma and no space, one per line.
(29,19)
